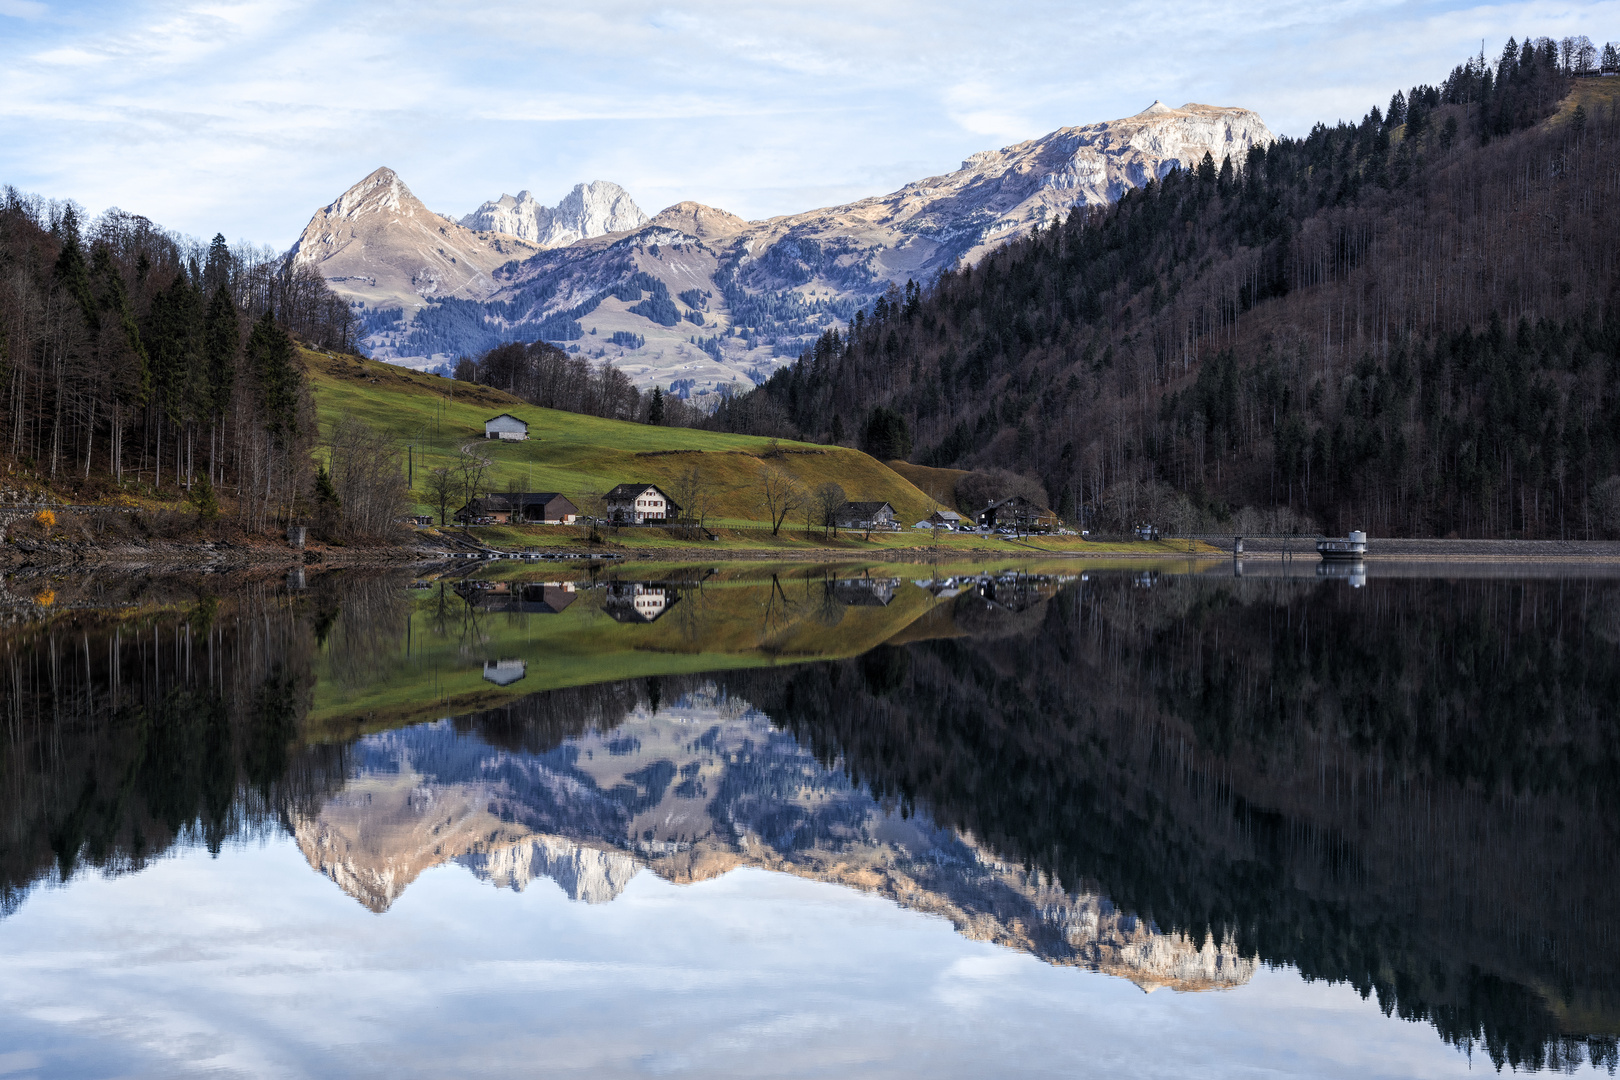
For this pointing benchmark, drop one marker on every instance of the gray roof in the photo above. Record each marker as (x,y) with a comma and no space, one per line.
(630,491)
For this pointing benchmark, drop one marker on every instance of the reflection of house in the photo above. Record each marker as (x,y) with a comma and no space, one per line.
(639,601)
(1017,592)
(506,427)
(866,592)
(636,504)
(1016,512)
(944,588)
(528,598)
(528,507)
(866,515)
(504,672)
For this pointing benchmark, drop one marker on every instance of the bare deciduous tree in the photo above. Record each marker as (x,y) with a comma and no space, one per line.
(369,478)
(440,491)
(471,466)
(825,504)
(694,494)
(779,494)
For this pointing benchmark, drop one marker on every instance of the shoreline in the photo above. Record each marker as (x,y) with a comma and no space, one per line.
(226,557)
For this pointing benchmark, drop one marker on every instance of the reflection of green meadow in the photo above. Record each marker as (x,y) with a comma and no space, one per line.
(728,616)
(725,620)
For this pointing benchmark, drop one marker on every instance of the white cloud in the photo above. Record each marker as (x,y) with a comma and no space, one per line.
(244,117)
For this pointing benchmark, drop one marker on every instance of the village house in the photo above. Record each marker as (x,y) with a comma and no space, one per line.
(638,504)
(1017,512)
(946,519)
(866,515)
(519,507)
(506,427)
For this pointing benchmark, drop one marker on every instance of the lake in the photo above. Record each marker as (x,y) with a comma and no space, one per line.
(1197,818)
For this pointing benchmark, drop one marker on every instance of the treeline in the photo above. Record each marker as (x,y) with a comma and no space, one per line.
(544,375)
(130,353)
(1405,324)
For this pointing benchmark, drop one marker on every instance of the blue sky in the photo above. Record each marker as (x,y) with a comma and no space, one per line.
(246,117)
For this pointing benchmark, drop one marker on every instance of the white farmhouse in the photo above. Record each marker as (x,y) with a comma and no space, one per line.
(506,427)
(637,504)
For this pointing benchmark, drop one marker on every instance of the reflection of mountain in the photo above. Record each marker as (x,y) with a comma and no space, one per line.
(692,791)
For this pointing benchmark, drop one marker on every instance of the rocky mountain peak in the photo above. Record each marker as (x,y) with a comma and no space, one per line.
(381,190)
(594,209)
(378,243)
(695,219)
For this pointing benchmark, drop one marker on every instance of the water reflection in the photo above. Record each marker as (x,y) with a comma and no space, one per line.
(690,790)
(1407,785)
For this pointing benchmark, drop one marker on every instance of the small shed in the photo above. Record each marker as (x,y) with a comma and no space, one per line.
(506,427)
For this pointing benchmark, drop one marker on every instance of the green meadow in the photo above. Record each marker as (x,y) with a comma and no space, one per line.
(576,454)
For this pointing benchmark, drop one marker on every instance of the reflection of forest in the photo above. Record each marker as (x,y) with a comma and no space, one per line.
(1411,786)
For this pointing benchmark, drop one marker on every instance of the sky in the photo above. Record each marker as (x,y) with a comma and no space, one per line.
(244,118)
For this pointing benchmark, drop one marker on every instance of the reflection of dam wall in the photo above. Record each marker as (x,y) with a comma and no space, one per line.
(690,792)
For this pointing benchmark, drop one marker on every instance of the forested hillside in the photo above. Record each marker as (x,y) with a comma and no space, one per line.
(138,359)
(1406,324)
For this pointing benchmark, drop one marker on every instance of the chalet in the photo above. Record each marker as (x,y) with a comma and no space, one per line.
(506,428)
(866,515)
(526,507)
(638,504)
(946,519)
(639,601)
(1017,512)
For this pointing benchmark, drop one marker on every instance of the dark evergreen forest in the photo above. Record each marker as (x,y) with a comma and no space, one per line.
(1407,324)
(133,355)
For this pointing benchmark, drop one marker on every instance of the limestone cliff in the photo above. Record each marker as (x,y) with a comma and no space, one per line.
(592,209)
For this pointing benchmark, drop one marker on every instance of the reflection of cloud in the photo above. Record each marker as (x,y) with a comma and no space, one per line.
(249,965)
(753,107)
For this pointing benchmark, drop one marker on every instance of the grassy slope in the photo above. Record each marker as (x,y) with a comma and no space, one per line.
(1590,94)
(939,483)
(573,454)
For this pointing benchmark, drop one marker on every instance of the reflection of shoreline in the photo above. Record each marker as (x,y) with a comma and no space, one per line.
(691,793)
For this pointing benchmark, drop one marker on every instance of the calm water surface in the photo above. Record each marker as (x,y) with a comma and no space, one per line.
(800,821)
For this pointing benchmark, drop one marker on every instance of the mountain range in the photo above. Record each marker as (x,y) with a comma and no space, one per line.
(700,298)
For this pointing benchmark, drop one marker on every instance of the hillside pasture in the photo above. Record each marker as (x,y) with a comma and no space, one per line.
(577,454)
